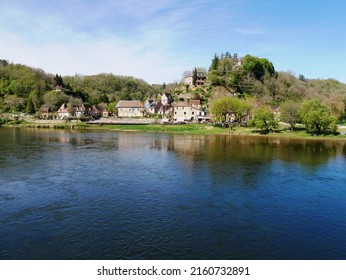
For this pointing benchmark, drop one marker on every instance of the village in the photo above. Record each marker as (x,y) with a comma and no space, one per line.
(163,106)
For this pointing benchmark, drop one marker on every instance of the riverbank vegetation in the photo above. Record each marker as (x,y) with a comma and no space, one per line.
(245,91)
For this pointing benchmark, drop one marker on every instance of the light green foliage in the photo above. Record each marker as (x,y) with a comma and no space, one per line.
(264,119)
(223,107)
(240,108)
(13,103)
(30,107)
(19,84)
(290,112)
(220,108)
(111,107)
(315,116)
(54,99)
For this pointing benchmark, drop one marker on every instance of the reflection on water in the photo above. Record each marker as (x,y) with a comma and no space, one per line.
(109,195)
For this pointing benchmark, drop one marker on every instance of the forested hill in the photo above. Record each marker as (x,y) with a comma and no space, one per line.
(256,78)
(23,88)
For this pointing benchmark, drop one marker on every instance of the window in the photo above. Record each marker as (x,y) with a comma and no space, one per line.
(184,113)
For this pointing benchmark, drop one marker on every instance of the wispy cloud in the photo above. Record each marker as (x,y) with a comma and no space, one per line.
(155,40)
(248,30)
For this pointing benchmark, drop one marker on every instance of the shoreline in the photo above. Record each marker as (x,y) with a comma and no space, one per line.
(188,129)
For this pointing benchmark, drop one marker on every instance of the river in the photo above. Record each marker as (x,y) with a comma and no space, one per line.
(68,194)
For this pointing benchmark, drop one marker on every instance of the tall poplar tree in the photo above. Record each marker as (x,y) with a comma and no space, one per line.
(194,76)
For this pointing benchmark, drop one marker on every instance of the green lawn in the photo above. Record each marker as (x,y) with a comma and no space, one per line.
(169,128)
(210,129)
(190,129)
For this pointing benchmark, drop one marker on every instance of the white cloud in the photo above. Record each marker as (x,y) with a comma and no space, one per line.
(57,43)
(92,56)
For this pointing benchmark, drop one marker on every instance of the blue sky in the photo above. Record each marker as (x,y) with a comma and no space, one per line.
(160,39)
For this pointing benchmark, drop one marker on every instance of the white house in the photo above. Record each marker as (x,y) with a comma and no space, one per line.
(63,112)
(183,111)
(130,108)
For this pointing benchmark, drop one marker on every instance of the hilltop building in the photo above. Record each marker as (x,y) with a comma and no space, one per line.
(200,81)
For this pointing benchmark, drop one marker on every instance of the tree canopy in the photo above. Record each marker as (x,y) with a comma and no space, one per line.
(315,116)
(264,119)
(27,88)
(227,106)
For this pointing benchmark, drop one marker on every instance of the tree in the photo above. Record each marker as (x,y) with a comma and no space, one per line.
(290,113)
(194,76)
(54,99)
(13,103)
(220,108)
(103,98)
(315,116)
(301,78)
(252,65)
(214,63)
(258,67)
(30,106)
(224,72)
(240,108)
(264,119)
(58,80)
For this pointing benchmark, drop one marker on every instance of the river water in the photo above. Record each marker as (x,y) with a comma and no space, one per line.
(125,195)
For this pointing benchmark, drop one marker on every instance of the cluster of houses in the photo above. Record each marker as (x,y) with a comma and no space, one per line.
(176,111)
(163,106)
(80,111)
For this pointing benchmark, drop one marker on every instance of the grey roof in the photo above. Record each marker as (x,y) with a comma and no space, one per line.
(129,104)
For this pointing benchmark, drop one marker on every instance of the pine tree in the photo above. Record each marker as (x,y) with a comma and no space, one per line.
(58,80)
(194,77)
(214,63)
(30,107)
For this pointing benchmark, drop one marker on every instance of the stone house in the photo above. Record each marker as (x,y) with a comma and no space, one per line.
(201,78)
(130,108)
(183,111)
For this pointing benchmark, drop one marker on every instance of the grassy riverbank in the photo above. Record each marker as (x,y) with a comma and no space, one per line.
(182,129)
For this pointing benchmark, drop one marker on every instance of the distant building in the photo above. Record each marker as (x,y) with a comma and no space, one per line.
(45,110)
(59,89)
(63,112)
(200,81)
(79,111)
(183,111)
(105,113)
(167,99)
(130,108)
(162,109)
(149,106)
